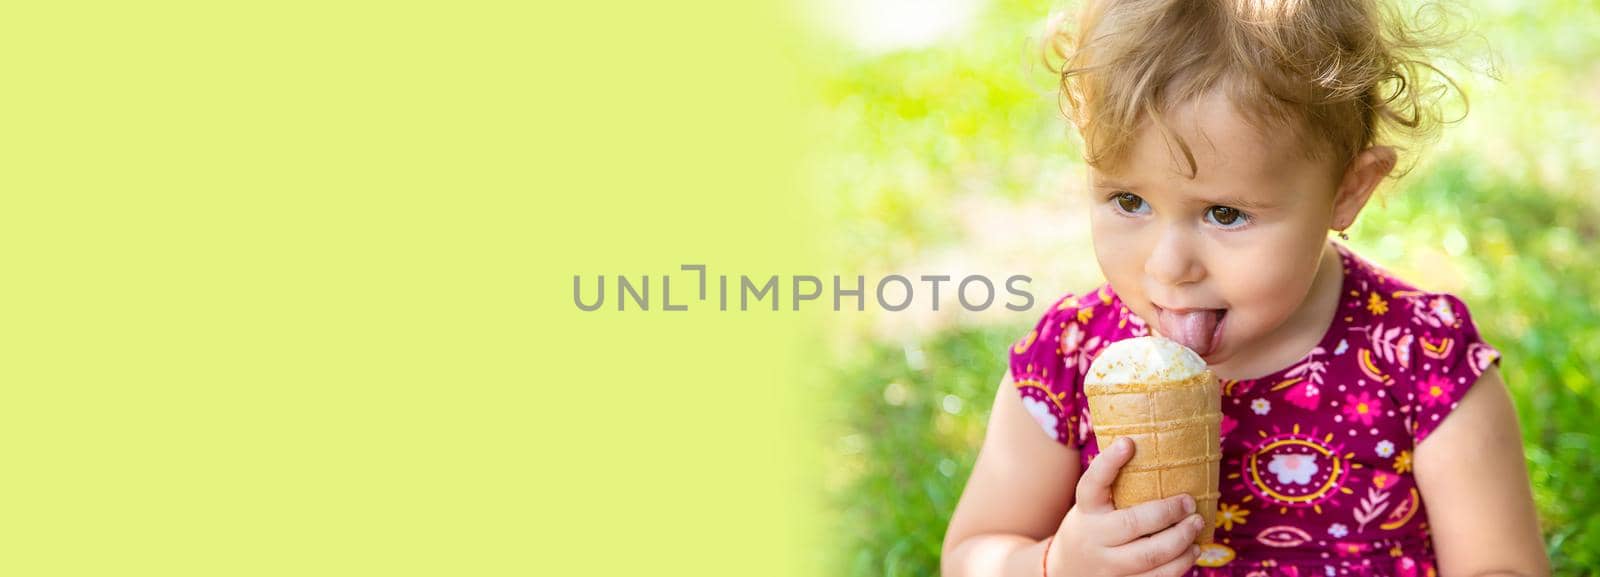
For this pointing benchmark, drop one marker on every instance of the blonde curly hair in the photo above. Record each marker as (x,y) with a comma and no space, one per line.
(1340,75)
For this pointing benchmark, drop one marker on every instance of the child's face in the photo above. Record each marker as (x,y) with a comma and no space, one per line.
(1219,262)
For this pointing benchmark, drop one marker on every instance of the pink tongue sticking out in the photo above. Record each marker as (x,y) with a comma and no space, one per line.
(1191,329)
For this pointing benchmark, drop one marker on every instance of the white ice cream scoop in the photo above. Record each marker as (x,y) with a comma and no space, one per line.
(1144,360)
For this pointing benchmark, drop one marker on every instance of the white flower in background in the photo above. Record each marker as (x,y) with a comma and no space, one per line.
(1338,530)
(1041,413)
(1293,469)
(1385,448)
(1261,406)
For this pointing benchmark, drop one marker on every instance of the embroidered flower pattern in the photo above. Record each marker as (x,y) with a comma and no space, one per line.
(1229,515)
(1293,469)
(1071,339)
(1307,396)
(1443,311)
(1436,389)
(1377,305)
(1361,409)
(1041,414)
(1384,480)
(1214,555)
(1350,549)
(1482,357)
(1402,463)
(1078,349)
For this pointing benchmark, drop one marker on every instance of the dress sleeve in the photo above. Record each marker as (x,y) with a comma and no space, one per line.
(1047,385)
(1453,355)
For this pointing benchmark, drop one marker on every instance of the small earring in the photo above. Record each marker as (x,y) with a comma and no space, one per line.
(1343,236)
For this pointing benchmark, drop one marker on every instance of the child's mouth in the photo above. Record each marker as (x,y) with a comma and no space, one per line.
(1198,329)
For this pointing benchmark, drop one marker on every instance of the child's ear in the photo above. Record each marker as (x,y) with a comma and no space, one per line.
(1361,177)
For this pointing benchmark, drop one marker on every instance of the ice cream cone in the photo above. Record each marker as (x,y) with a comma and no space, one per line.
(1161,395)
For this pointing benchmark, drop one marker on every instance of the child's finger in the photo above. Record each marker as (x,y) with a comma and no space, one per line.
(1176,567)
(1094,487)
(1157,550)
(1147,518)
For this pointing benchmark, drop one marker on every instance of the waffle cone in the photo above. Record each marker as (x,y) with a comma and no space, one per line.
(1175,426)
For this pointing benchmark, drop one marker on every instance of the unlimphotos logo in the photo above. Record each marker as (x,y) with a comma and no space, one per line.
(891,293)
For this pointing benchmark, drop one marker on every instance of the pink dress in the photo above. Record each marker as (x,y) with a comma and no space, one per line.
(1316,457)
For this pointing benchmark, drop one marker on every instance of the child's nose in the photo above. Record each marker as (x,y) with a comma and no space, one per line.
(1172,260)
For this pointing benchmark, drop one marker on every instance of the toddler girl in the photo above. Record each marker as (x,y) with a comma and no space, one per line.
(1366,429)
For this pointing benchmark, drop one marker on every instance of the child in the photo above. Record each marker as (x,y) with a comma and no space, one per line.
(1225,139)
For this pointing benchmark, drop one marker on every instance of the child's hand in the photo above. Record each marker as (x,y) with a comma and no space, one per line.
(1095,539)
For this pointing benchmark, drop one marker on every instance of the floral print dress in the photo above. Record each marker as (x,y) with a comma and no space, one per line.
(1316,457)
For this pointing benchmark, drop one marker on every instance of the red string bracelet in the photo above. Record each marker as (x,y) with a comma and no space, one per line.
(1044,560)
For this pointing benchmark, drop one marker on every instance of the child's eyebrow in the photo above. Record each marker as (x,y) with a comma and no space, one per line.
(1235,202)
(1102,182)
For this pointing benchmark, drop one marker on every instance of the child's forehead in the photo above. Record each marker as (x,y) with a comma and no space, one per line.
(1227,146)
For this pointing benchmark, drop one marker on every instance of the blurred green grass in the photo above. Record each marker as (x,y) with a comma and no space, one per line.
(1503,211)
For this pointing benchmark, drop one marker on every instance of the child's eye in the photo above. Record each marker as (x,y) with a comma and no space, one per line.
(1129,202)
(1226,217)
